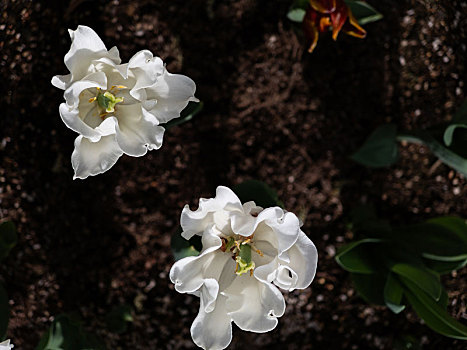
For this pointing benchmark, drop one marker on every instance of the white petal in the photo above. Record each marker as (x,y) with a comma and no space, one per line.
(92,158)
(93,80)
(172,93)
(303,258)
(61,82)
(208,294)
(286,278)
(70,117)
(86,46)
(254,305)
(188,274)
(287,229)
(137,131)
(213,330)
(145,68)
(194,222)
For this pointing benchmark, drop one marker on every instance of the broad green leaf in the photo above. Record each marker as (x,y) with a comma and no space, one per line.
(4,311)
(187,114)
(363,12)
(8,238)
(259,192)
(118,318)
(449,156)
(370,287)
(434,315)
(380,149)
(182,248)
(296,15)
(454,224)
(424,278)
(443,299)
(458,121)
(393,292)
(432,240)
(66,333)
(444,267)
(357,257)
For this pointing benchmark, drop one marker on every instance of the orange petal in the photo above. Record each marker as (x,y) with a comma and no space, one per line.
(324,6)
(338,18)
(353,28)
(324,24)
(310,29)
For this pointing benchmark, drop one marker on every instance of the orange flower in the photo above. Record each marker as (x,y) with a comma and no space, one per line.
(323,14)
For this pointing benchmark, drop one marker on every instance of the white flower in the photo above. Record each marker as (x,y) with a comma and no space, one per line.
(116,108)
(5,345)
(246,251)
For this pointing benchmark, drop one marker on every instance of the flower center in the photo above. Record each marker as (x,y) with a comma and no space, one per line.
(241,253)
(107,100)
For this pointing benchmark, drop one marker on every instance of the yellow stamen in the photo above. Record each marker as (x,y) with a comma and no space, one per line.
(92,99)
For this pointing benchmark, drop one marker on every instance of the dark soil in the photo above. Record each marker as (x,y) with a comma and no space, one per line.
(272,112)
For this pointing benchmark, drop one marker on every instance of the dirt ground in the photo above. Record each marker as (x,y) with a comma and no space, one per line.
(272,112)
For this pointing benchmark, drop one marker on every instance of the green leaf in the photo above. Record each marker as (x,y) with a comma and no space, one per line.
(363,12)
(296,15)
(458,121)
(118,318)
(454,224)
(4,311)
(424,278)
(380,149)
(357,257)
(393,293)
(432,313)
(433,240)
(66,334)
(192,109)
(370,287)
(8,238)
(259,192)
(182,248)
(450,156)
(444,267)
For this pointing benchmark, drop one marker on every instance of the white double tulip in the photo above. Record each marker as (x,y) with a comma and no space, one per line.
(116,108)
(247,251)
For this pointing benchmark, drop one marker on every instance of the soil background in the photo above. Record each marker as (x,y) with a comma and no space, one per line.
(272,112)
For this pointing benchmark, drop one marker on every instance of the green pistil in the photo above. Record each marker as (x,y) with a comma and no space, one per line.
(107,101)
(244,262)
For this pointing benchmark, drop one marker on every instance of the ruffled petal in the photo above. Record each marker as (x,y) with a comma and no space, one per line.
(93,80)
(92,158)
(61,81)
(284,226)
(212,330)
(194,222)
(145,68)
(253,305)
(70,117)
(172,92)
(301,267)
(86,46)
(188,274)
(137,131)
